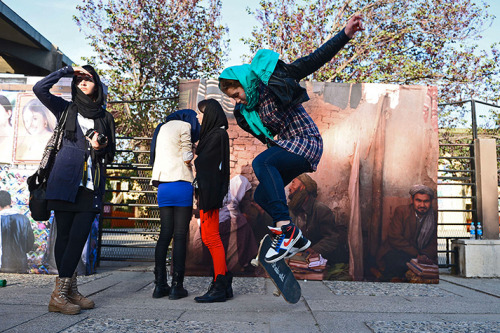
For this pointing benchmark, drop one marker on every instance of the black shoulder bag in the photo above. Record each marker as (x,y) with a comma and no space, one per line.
(37,183)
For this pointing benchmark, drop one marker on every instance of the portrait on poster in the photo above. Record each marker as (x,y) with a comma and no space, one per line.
(33,127)
(7,117)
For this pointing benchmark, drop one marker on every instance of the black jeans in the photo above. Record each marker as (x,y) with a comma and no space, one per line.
(174,222)
(73,230)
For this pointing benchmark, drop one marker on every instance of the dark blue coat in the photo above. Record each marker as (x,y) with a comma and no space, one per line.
(68,169)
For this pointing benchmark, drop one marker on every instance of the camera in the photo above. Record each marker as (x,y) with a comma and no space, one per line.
(101,138)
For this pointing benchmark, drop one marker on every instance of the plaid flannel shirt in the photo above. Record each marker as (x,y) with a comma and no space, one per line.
(295,130)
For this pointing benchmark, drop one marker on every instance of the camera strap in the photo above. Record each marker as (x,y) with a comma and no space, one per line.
(85,172)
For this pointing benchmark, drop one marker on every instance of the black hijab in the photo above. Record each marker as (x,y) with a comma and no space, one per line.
(212,163)
(88,106)
(214,119)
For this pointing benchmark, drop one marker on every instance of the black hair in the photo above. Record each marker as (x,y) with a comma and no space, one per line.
(4,101)
(5,199)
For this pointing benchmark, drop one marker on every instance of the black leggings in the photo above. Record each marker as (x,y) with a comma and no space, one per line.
(73,229)
(174,221)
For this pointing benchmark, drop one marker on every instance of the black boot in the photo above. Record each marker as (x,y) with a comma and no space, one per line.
(216,292)
(177,291)
(229,280)
(162,288)
(229,287)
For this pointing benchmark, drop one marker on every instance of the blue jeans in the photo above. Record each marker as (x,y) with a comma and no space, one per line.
(276,168)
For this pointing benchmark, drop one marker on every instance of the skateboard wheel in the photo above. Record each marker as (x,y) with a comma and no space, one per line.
(255,262)
(277,293)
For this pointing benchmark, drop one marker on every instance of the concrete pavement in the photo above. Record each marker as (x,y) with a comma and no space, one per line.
(122,293)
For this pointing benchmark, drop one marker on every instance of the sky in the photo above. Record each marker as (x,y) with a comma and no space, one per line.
(53,19)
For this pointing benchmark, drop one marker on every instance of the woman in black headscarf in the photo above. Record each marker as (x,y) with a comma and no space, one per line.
(212,177)
(76,183)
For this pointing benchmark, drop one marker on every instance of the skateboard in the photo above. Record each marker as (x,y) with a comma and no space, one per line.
(279,272)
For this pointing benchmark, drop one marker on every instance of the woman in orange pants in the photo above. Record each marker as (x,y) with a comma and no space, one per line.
(212,177)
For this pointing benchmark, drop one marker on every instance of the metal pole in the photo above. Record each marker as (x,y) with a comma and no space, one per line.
(447,251)
(474,186)
(473,164)
(474,122)
(99,237)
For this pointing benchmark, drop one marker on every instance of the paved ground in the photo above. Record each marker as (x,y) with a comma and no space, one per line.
(122,293)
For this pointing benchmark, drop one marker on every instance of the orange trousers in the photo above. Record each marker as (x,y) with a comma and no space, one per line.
(211,238)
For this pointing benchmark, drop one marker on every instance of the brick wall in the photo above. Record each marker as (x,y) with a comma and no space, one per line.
(244,148)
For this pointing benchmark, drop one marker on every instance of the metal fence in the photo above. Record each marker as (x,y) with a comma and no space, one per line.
(130,219)
(457,201)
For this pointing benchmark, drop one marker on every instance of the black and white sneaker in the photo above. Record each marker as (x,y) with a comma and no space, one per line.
(301,245)
(283,240)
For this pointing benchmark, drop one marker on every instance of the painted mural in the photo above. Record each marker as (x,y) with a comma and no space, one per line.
(379,142)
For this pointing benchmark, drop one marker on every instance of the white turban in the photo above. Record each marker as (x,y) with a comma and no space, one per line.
(421,189)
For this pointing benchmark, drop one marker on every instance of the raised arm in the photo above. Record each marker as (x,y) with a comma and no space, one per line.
(42,88)
(309,64)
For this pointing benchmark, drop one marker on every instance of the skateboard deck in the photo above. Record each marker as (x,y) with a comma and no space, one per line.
(279,272)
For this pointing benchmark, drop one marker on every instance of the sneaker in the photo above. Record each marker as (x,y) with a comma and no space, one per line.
(283,240)
(301,245)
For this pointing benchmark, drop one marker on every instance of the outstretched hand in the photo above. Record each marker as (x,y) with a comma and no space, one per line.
(354,25)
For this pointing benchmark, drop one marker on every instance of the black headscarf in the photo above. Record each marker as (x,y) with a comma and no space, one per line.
(88,106)
(213,118)
(212,163)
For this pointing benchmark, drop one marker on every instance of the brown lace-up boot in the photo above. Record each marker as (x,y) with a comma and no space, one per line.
(59,301)
(76,298)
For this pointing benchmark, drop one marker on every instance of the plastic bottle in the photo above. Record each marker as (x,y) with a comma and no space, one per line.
(472,231)
(479,231)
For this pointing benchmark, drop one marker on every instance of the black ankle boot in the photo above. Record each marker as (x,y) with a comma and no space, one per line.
(162,288)
(229,281)
(177,291)
(216,292)
(229,285)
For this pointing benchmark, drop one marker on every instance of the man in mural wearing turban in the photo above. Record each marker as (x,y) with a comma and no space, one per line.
(316,220)
(412,233)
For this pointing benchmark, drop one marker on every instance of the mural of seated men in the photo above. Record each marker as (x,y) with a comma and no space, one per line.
(16,237)
(236,233)
(316,220)
(412,234)
(257,217)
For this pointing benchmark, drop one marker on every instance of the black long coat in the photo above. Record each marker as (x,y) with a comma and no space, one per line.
(212,163)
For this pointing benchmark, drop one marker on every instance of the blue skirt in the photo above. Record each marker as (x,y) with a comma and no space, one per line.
(178,194)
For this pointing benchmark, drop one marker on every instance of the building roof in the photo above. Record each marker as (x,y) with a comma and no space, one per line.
(23,50)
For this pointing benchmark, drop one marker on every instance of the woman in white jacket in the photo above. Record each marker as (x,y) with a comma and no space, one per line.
(171,155)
